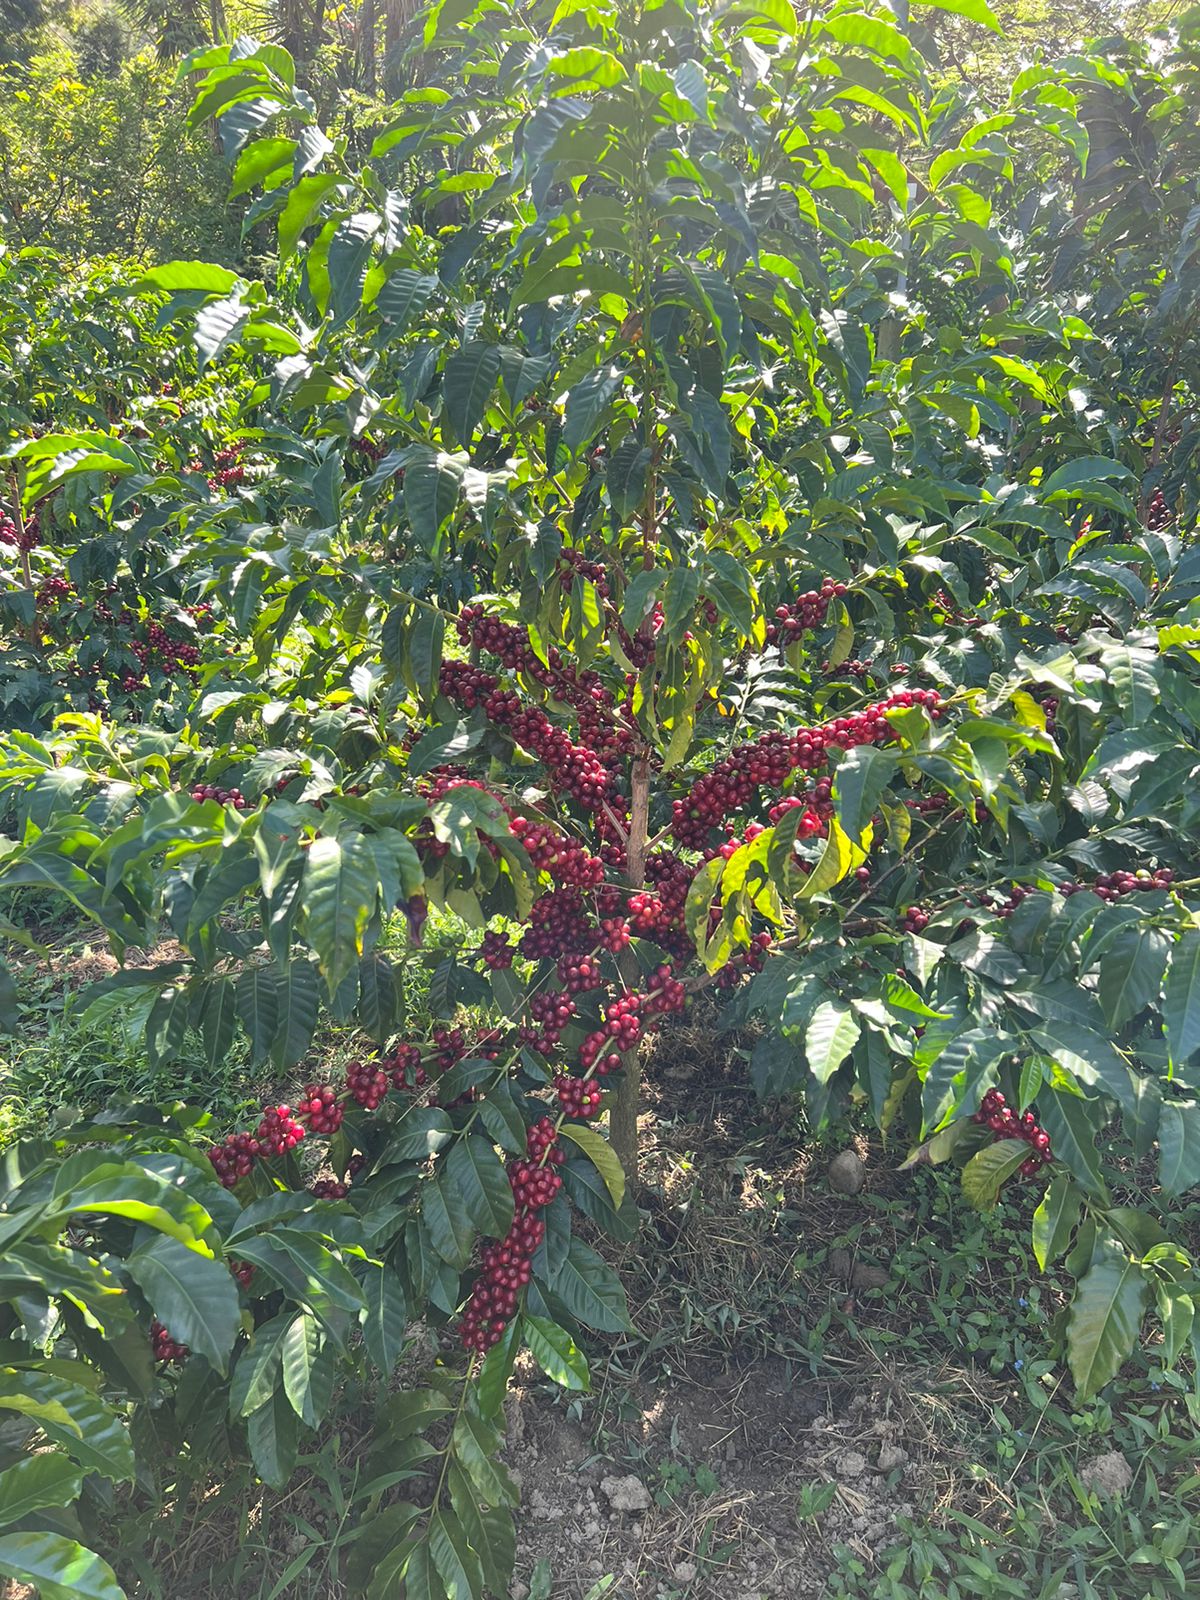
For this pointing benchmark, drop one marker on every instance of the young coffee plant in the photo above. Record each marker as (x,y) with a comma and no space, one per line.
(660,562)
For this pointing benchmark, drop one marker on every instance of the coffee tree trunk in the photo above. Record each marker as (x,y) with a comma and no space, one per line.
(623,1130)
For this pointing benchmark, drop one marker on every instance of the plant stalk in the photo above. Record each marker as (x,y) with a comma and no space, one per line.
(623,1114)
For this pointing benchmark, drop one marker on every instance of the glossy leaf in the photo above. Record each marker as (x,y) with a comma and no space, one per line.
(36,1483)
(192,1295)
(1055,1221)
(591,1290)
(1179,1145)
(601,1154)
(555,1352)
(1105,1316)
(1181,1001)
(58,1568)
(477,1173)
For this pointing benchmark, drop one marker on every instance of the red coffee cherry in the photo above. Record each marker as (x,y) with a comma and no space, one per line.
(579,1097)
(405,1067)
(1004,1122)
(367,1084)
(165,1348)
(278,1132)
(319,1106)
(234,1157)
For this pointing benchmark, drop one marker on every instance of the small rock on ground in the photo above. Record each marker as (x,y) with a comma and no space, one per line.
(850,1464)
(626,1494)
(847,1173)
(865,1277)
(891,1456)
(1107,1475)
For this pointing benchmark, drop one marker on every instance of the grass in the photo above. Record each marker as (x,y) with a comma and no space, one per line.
(62,1063)
(898,1314)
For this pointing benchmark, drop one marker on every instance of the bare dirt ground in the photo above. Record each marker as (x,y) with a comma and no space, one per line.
(712,1461)
(752,1442)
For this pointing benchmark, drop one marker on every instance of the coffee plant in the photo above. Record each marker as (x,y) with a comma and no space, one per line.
(680,511)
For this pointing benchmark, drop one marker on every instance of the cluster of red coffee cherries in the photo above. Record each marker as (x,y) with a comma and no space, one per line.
(320,1108)
(1116,885)
(552,1012)
(579,1097)
(769,760)
(53,591)
(606,729)
(815,804)
(223,797)
(853,668)
(558,924)
(234,1158)
(406,1067)
(152,644)
(573,769)
(1006,1123)
(807,610)
(495,951)
(579,974)
(566,861)
(1004,908)
(507,1265)
(574,565)
(159,649)
(277,1133)
(228,468)
(367,1084)
(17,539)
(1158,513)
(166,1349)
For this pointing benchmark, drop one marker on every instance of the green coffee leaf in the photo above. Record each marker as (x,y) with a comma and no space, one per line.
(58,1568)
(1105,1318)
(192,1295)
(555,1352)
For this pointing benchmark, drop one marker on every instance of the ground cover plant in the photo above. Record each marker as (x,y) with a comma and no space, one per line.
(696,525)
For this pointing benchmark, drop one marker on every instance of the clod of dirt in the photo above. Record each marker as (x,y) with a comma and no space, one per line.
(847,1173)
(850,1464)
(626,1494)
(865,1277)
(684,1572)
(839,1265)
(519,1591)
(1107,1475)
(891,1456)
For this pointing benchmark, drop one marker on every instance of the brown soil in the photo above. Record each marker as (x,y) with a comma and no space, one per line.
(707,1466)
(749,1442)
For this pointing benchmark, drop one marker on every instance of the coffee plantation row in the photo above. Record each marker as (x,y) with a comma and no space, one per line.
(704,506)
